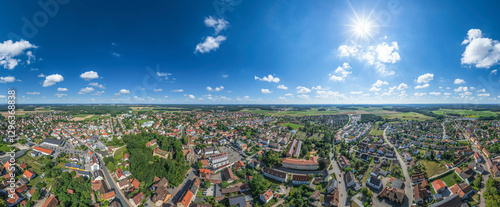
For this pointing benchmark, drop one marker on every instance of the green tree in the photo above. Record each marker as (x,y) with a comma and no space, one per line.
(36,195)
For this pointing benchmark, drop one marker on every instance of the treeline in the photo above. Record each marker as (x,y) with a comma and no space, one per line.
(93,109)
(80,186)
(365,118)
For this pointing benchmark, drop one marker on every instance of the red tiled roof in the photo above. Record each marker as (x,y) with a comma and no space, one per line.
(41,149)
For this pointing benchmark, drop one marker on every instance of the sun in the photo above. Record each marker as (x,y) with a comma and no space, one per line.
(362,27)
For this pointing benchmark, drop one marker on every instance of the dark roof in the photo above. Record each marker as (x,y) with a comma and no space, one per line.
(452,201)
(54,141)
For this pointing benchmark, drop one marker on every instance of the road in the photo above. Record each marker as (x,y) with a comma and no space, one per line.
(341,186)
(476,149)
(408,190)
(111,182)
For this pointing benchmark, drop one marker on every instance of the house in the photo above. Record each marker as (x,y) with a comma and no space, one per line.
(438,186)
(119,174)
(160,153)
(266,196)
(137,199)
(300,179)
(98,175)
(463,190)
(467,175)
(28,174)
(477,157)
(126,157)
(476,167)
(421,195)
(332,199)
(99,186)
(417,178)
(51,202)
(110,195)
(374,182)
(31,192)
(451,201)
(185,200)
(239,201)
(332,185)
(275,174)
(161,196)
(393,194)
(350,180)
(124,183)
(43,150)
(300,164)
(344,162)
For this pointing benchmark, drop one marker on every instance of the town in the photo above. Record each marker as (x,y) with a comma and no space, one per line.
(148,156)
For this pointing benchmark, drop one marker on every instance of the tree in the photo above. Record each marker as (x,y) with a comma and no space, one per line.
(199,165)
(36,195)
(258,184)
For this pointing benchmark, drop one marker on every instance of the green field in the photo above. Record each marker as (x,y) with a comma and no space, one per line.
(294,126)
(143,120)
(467,113)
(292,113)
(405,116)
(433,168)
(449,180)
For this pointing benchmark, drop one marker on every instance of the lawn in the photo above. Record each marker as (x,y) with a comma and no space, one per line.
(302,135)
(449,180)
(433,167)
(143,120)
(119,153)
(311,112)
(467,113)
(294,126)
(4,148)
(407,116)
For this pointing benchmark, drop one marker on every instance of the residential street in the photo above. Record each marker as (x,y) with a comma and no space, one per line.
(408,186)
(341,186)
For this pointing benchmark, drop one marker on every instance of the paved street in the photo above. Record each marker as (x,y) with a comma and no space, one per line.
(341,186)
(408,184)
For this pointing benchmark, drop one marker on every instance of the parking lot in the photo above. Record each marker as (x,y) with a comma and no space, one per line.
(232,155)
(66,148)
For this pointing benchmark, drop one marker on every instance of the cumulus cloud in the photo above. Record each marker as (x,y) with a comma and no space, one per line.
(265,91)
(357,92)
(160,74)
(268,78)
(402,86)
(190,96)
(289,94)
(210,44)
(494,72)
(446,94)
(425,78)
(9,50)
(52,79)
(218,24)
(459,81)
(282,87)
(89,75)
(59,95)
(320,88)
(480,51)
(62,89)
(341,72)
(33,93)
(7,79)
(216,89)
(177,91)
(157,90)
(378,55)
(422,86)
(435,93)
(461,89)
(484,94)
(225,76)
(97,85)
(376,86)
(123,91)
(86,90)
(329,95)
(302,89)
(303,96)
(420,94)
(41,75)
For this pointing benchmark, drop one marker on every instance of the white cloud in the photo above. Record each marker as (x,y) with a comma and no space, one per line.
(303,96)
(435,93)
(459,81)
(373,88)
(425,78)
(420,94)
(342,72)
(283,98)
(289,94)
(3,96)
(52,79)
(60,95)
(329,95)
(302,89)
(217,89)
(7,79)
(461,89)
(9,50)
(494,72)
(190,96)
(86,90)
(422,86)
(41,75)
(123,91)
(447,94)
(480,51)
(377,55)
(89,75)
(484,94)
(160,74)
(268,78)
(62,89)
(217,24)
(379,83)
(97,85)
(177,91)
(482,90)
(320,88)
(265,91)
(282,87)
(33,93)
(356,92)
(116,54)
(157,90)
(210,44)
(225,76)
(402,86)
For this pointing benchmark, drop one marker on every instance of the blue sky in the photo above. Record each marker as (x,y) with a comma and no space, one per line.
(320,52)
